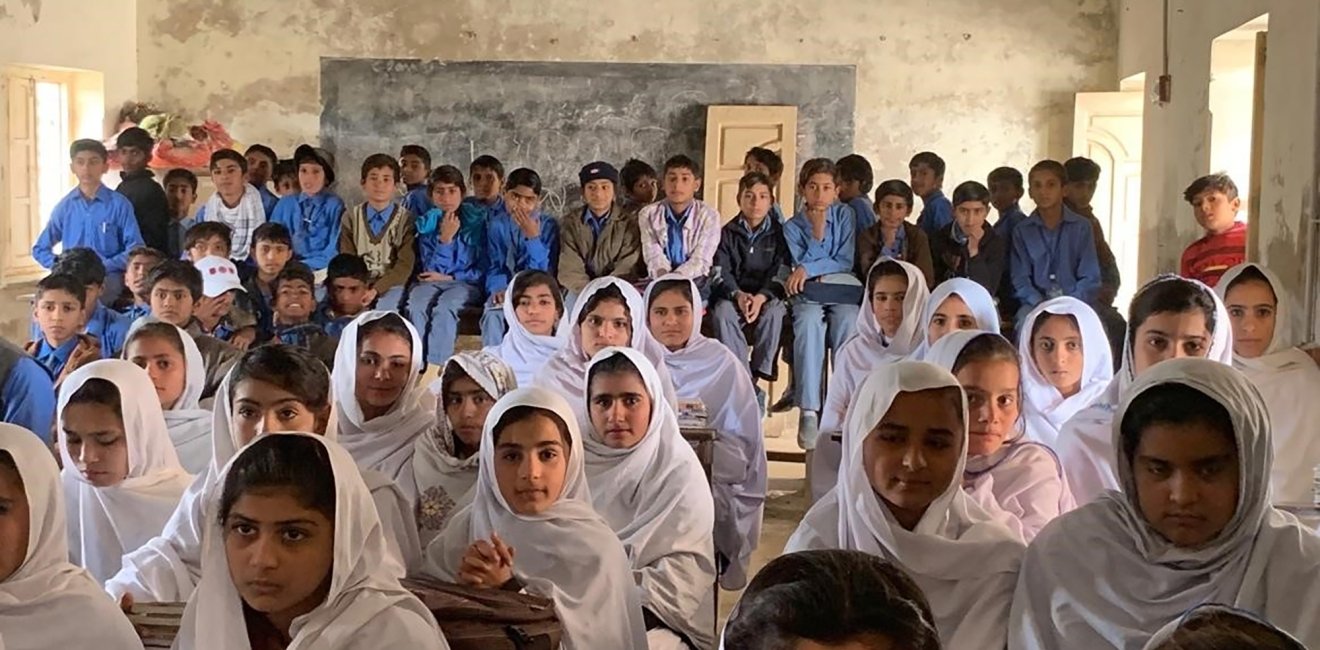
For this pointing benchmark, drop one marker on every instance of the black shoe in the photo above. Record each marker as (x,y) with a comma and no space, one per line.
(785,404)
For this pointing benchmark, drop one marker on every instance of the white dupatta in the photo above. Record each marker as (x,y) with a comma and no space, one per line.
(525,352)
(977,299)
(189,424)
(1044,408)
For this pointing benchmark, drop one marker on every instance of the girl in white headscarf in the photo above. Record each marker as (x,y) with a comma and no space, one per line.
(955,304)
(121,476)
(608,312)
(1170,317)
(1221,626)
(1005,471)
(1191,525)
(445,463)
(538,324)
(900,496)
(171,359)
(889,328)
(1265,351)
(383,407)
(704,369)
(531,525)
(45,601)
(295,557)
(1066,365)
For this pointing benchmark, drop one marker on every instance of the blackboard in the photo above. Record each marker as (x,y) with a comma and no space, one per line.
(556,117)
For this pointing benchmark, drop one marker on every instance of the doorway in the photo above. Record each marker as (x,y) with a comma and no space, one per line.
(1237,92)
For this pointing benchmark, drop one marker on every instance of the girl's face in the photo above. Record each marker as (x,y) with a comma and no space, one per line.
(15,522)
(620,408)
(466,405)
(1252,308)
(755,202)
(311,178)
(94,435)
(384,368)
(992,402)
(1186,477)
(163,363)
(1056,348)
(261,407)
(912,454)
(670,319)
(537,310)
(280,553)
(1170,335)
(447,196)
(606,325)
(887,302)
(531,464)
(952,315)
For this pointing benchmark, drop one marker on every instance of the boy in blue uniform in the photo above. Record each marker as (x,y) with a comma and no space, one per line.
(640,185)
(1054,249)
(348,293)
(927,171)
(855,180)
(294,306)
(108,327)
(487,175)
(261,162)
(451,240)
(272,249)
(208,239)
(140,262)
(519,236)
(59,348)
(414,171)
(1006,190)
(312,216)
(27,394)
(92,216)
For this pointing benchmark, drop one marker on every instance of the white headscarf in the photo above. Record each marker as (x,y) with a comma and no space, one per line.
(1044,408)
(656,498)
(525,352)
(1289,381)
(567,553)
(978,302)
(189,424)
(566,372)
(443,480)
(1085,444)
(1101,576)
(105,523)
(365,606)
(49,602)
(1022,478)
(1166,633)
(384,443)
(963,557)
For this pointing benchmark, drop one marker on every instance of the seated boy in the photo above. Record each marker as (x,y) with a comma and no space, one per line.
(140,262)
(108,327)
(597,239)
(236,203)
(27,393)
(487,174)
(285,178)
(175,287)
(59,347)
(969,248)
(348,293)
(381,231)
(519,236)
(640,184)
(1006,190)
(1083,174)
(765,161)
(314,215)
(272,249)
(855,180)
(927,171)
(680,233)
(451,238)
(295,303)
(825,294)
(414,171)
(138,184)
(91,216)
(1053,250)
(261,162)
(208,239)
(224,311)
(892,235)
(1215,203)
(181,192)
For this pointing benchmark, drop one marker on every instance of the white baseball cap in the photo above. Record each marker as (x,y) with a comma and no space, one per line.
(219,276)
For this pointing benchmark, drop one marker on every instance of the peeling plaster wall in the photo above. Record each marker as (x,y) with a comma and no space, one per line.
(983,82)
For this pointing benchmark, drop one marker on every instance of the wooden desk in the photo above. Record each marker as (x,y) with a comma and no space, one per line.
(702,440)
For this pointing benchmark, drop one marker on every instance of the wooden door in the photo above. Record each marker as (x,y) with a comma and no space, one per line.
(730,132)
(1107,128)
(21,197)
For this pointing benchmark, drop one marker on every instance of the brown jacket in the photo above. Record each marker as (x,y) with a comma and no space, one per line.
(618,252)
(391,256)
(86,351)
(916,250)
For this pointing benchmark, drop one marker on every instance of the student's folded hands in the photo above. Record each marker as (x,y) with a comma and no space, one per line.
(487,564)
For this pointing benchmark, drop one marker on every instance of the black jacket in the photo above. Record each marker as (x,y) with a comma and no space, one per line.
(150,206)
(952,261)
(752,265)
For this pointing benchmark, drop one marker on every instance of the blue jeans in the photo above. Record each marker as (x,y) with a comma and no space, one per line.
(433,309)
(392,300)
(766,332)
(492,323)
(817,328)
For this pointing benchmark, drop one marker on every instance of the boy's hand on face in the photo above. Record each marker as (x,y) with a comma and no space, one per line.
(449,227)
(530,226)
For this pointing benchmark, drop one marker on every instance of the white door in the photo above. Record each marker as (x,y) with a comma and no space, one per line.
(21,197)
(730,132)
(1107,129)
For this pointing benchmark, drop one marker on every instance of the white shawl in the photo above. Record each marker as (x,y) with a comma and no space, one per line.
(49,602)
(527,353)
(1100,576)
(444,481)
(384,443)
(1085,446)
(978,302)
(963,557)
(1044,408)
(567,553)
(1289,381)
(242,219)
(188,423)
(656,498)
(105,523)
(365,607)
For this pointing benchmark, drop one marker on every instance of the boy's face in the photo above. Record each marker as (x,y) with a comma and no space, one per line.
(681,185)
(1079,193)
(849,189)
(1046,189)
(645,189)
(135,275)
(133,159)
(228,177)
(379,185)
(350,296)
(1003,194)
(294,302)
(172,302)
(971,215)
(259,168)
(58,314)
(1214,210)
(924,180)
(181,196)
(286,185)
(751,164)
(820,191)
(413,169)
(210,246)
(311,178)
(88,166)
(599,195)
(892,210)
(486,184)
(447,197)
(271,257)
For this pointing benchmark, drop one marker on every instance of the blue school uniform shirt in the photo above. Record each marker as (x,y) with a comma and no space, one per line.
(314,223)
(29,397)
(300,335)
(268,199)
(1008,221)
(378,219)
(864,212)
(110,328)
(508,251)
(417,201)
(834,253)
(1049,263)
(936,213)
(134,312)
(53,358)
(464,257)
(778,213)
(105,224)
(331,325)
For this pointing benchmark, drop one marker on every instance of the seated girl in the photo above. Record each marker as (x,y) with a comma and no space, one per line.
(1264,349)
(531,526)
(444,465)
(957,304)
(609,312)
(888,329)
(707,371)
(121,476)
(537,328)
(41,593)
(1066,365)
(900,497)
(1207,627)
(1005,470)
(1170,317)
(295,557)
(174,364)
(831,599)
(1191,525)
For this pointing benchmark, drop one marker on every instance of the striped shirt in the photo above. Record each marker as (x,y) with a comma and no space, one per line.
(1207,258)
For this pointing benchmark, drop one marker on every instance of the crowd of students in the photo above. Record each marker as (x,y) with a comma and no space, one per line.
(996,457)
